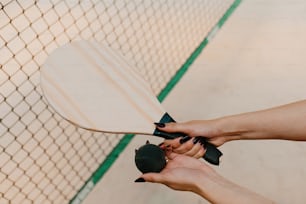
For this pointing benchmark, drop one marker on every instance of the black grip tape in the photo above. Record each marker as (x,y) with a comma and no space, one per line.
(212,154)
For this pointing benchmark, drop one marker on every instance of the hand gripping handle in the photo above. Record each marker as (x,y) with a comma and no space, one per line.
(212,154)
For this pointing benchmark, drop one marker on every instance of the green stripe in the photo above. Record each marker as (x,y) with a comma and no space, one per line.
(103,168)
(119,148)
(107,163)
(179,74)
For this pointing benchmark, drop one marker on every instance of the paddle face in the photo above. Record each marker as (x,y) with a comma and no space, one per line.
(96,88)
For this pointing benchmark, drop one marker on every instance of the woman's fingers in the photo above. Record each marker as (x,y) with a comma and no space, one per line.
(172,127)
(190,146)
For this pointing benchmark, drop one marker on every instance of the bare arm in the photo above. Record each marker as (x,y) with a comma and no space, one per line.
(284,122)
(189,174)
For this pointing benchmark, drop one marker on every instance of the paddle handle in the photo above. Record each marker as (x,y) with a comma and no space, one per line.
(212,154)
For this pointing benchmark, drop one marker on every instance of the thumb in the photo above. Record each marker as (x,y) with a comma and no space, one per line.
(173,127)
(151,177)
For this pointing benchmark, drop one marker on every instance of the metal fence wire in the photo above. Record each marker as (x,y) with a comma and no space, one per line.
(43,158)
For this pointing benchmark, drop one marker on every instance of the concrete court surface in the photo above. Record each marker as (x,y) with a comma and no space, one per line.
(256,61)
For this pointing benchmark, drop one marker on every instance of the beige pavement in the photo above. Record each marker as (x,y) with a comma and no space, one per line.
(256,61)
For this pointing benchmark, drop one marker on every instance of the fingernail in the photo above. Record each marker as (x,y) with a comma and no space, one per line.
(195,140)
(162,146)
(168,148)
(203,141)
(161,125)
(140,180)
(184,139)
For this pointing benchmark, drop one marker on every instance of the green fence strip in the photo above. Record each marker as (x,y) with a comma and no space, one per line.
(122,144)
(107,163)
(179,74)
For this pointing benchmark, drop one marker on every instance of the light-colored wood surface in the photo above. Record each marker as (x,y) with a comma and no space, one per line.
(256,61)
(96,88)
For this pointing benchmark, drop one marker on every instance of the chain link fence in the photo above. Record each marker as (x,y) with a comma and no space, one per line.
(43,158)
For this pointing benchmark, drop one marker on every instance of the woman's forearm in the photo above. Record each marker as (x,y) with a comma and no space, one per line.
(222,191)
(283,122)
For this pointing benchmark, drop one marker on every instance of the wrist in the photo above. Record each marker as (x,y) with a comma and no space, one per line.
(231,128)
(211,186)
(217,189)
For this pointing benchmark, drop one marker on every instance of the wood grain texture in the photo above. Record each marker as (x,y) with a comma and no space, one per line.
(96,88)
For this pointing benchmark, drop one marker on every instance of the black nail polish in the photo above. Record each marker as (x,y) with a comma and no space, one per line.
(195,140)
(161,144)
(203,141)
(140,180)
(161,125)
(184,139)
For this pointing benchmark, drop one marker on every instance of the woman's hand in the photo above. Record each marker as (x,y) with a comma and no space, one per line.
(181,173)
(185,173)
(191,146)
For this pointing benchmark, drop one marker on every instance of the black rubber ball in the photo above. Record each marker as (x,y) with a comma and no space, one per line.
(150,158)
